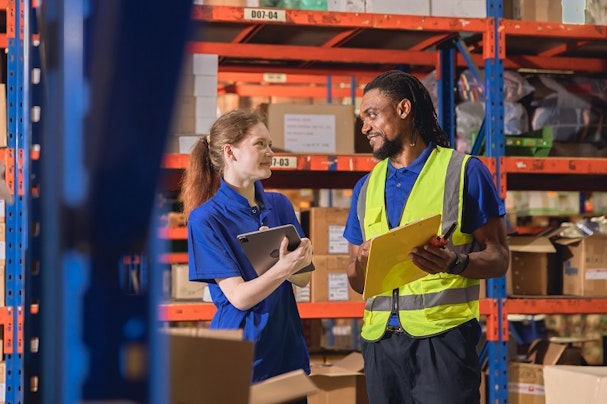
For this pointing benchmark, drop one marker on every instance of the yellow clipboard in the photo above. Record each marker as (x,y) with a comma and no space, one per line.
(389,265)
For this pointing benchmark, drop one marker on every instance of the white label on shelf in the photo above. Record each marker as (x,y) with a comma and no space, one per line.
(310,133)
(284,162)
(275,77)
(264,14)
(526,388)
(596,274)
(337,243)
(338,287)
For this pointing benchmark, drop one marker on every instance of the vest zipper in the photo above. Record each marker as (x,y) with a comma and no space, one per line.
(395,301)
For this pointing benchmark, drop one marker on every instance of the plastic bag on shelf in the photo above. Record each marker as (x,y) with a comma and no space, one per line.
(515,86)
(429,81)
(468,120)
(516,118)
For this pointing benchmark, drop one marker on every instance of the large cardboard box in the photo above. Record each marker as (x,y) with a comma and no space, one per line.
(214,366)
(590,384)
(526,381)
(406,7)
(459,8)
(534,10)
(585,266)
(311,128)
(534,267)
(325,228)
(343,382)
(330,281)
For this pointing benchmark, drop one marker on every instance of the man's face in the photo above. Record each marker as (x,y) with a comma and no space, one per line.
(382,124)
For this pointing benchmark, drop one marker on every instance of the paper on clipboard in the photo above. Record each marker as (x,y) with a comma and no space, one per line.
(389,265)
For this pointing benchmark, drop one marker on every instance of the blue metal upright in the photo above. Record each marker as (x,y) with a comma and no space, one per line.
(16,212)
(446,90)
(495,147)
(110,75)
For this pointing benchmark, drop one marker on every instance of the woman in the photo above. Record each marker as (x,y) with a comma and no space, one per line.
(223,197)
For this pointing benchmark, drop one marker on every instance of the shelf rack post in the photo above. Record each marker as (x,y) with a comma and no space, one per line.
(16,212)
(104,134)
(493,55)
(445,89)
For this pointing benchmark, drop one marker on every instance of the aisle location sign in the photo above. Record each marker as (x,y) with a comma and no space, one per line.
(265,14)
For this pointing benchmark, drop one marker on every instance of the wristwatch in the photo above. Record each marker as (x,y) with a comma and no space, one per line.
(459,265)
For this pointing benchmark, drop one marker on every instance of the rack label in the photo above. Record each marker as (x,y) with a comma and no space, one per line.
(260,14)
(284,162)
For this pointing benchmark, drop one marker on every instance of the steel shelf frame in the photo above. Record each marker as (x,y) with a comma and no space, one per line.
(341,39)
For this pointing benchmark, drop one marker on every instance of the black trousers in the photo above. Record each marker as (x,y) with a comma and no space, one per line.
(443,369)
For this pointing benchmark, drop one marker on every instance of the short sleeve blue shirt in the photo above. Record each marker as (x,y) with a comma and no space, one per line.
(481,198)
(214,252)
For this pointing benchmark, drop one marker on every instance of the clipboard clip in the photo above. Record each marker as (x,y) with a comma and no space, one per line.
(442,241)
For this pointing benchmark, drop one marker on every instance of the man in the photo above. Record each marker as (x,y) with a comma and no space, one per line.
(419,341)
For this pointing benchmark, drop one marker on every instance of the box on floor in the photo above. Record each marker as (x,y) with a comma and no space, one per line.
(525,379)
(590,384)
(341,382)
(215,366)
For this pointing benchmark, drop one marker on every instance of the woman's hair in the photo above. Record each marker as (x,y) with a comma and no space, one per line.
(201,177)
(398,85)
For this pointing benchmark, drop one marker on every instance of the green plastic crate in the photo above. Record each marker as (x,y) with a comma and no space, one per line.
(536,143)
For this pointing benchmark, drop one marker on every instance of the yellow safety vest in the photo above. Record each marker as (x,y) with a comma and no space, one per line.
(436,302)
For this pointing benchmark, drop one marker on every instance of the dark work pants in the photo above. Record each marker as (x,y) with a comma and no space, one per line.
(443,369)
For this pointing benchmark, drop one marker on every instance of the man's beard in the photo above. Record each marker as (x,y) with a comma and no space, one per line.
(389,149)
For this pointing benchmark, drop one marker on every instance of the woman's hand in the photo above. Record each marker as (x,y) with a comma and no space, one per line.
(293,261)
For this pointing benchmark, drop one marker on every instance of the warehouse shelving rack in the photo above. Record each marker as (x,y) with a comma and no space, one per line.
(342,44)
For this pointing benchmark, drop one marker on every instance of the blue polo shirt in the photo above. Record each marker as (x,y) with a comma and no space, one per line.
(481,200)
(214,252)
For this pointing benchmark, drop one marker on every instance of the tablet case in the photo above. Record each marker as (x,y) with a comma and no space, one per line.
(261,246)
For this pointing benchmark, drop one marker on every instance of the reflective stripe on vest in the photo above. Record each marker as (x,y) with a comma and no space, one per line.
(447,296)
(434,303)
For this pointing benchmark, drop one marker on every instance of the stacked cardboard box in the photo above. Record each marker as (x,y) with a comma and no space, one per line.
(329,283)
(196,102)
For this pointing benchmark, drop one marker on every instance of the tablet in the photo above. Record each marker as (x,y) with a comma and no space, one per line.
(262,246)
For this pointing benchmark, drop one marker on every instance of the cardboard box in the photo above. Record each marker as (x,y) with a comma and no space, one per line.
(212,365)
(526,381)
(459,8)
(184,289)
(534,10)
(590,384)
(311,128)
(329,281)
(406,7)
(585,265)
(325,228)
(342,382)
(534,267)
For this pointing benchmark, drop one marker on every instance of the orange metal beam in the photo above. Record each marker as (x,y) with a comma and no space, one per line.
(556,306)
(552,29)
(562,48)
(3,41)
(310,53)
(555,165)
(338,19)
(353,70)
(556,63)
(232,77)
(205,311)
(173,233)
(249,90)
(429,42)
(6,319)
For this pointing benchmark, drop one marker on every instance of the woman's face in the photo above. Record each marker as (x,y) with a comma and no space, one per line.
(253,155)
